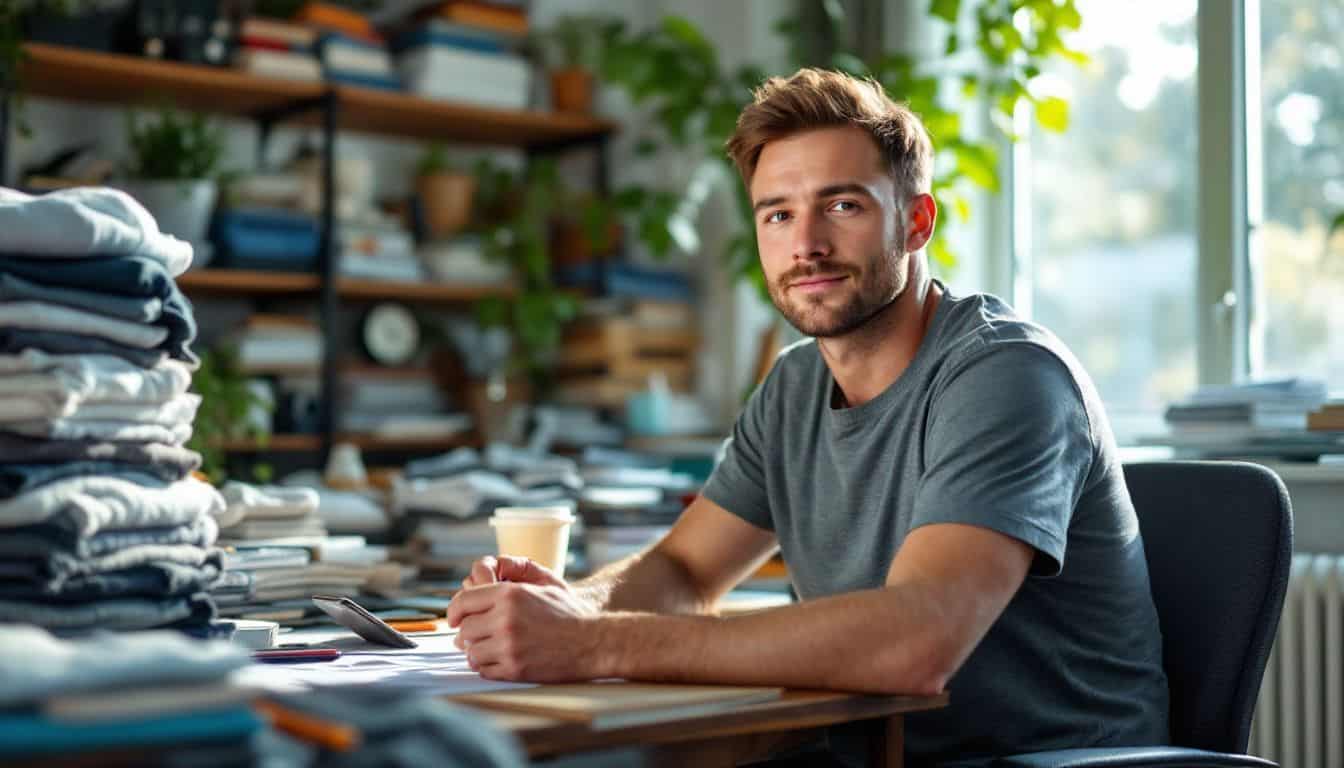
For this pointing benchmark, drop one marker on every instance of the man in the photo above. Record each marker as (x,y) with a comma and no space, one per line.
(939,475)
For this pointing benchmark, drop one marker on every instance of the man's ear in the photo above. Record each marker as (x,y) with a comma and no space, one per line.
(919,229)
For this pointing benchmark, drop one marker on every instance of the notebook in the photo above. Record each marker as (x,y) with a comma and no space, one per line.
(608,705)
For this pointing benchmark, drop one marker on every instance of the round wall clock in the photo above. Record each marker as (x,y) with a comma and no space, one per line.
(389,334)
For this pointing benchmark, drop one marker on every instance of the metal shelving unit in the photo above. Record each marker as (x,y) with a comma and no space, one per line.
(88,76)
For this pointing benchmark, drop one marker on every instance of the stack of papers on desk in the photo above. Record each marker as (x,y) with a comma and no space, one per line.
(615,704)
(435,667)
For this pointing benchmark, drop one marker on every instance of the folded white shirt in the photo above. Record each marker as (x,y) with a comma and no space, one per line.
(101,430)
(86,221)
(25,408)
(41,316)
(91,377)
(94,503)
(266,502)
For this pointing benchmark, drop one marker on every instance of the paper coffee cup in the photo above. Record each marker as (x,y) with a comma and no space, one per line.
(537,533)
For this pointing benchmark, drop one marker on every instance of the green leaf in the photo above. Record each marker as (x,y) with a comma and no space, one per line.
(1068,16)
(1337,224)
(685,32)
(722,121)
(1053,114)
(646,147)
(1077,57)
(492,311)
(947,10)
(978,163)
(835,11)
(941,252)
(848,62)
(953,43)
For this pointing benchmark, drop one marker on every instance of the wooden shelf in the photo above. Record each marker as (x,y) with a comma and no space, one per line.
(245,282)
(435,293)
(235,281)
(276,443)
(365,370)
(366,442)
(71,73)
(400,114)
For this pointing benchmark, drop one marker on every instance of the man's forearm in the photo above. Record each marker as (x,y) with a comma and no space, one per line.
(879,641)
(649,581)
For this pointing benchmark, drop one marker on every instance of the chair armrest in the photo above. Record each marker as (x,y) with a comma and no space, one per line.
(1131,757)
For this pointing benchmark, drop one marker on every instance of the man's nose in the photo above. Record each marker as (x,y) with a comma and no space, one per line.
(811,238)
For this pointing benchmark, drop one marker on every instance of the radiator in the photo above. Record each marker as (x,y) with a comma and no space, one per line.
(1299,717)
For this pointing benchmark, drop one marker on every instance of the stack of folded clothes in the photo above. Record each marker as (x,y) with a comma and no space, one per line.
(101,524)
(269,511)
(136,698)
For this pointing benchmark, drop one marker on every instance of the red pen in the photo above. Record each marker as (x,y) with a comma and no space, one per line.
(295,655)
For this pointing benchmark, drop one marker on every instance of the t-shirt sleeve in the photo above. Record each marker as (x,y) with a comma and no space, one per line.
(1008,447)
(738,481)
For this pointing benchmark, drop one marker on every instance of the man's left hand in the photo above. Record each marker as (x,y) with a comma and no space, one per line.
(526,632)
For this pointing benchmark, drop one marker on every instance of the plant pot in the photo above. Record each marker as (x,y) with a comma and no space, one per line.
(572,90)
(181,208)
(570,246)
(446,199)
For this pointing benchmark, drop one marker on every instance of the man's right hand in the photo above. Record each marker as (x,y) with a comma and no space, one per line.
(491,569)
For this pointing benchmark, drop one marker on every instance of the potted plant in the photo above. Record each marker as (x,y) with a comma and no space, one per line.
(231,409)
(516,214)
(446,193)
(173,158)
(570,49)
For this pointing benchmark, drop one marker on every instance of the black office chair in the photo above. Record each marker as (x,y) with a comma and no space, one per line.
(1219,541)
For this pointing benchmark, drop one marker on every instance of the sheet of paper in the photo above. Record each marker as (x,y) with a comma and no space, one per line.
(435,667)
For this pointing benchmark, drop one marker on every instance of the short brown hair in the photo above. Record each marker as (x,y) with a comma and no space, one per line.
(818,98)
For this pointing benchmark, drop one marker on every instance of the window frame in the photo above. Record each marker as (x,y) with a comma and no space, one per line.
(1229,209)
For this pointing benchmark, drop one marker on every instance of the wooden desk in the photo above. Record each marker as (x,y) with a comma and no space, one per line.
(728,738)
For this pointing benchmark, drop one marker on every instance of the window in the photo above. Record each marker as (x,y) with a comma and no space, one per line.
(1110,260)
(1299,277)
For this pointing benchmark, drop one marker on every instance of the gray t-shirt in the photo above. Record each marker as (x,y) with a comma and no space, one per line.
(993,424)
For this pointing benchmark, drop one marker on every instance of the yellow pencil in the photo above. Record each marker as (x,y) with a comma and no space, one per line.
(338,737)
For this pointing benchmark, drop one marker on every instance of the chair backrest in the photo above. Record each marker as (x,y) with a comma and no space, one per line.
(1219,540)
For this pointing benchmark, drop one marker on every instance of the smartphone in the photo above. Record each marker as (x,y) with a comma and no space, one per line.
(295,655)
(352,616)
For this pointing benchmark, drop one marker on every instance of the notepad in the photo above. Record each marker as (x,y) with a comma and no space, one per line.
(608,705)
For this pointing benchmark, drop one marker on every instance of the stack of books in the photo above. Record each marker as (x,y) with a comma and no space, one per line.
(279,49)
(356,61)
(463,260)
(1328,418)
(272,343)
(264,238)
(377,252)
(1258,418)
(464,50)
(399,405)
(1247,409)
(332,18)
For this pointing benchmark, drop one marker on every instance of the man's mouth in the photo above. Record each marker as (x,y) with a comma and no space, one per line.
(814,283)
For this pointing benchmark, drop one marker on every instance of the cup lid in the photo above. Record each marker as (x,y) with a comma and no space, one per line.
(557,514)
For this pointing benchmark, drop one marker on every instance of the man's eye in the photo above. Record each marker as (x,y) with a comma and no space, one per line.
(776,217)
(845,206)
